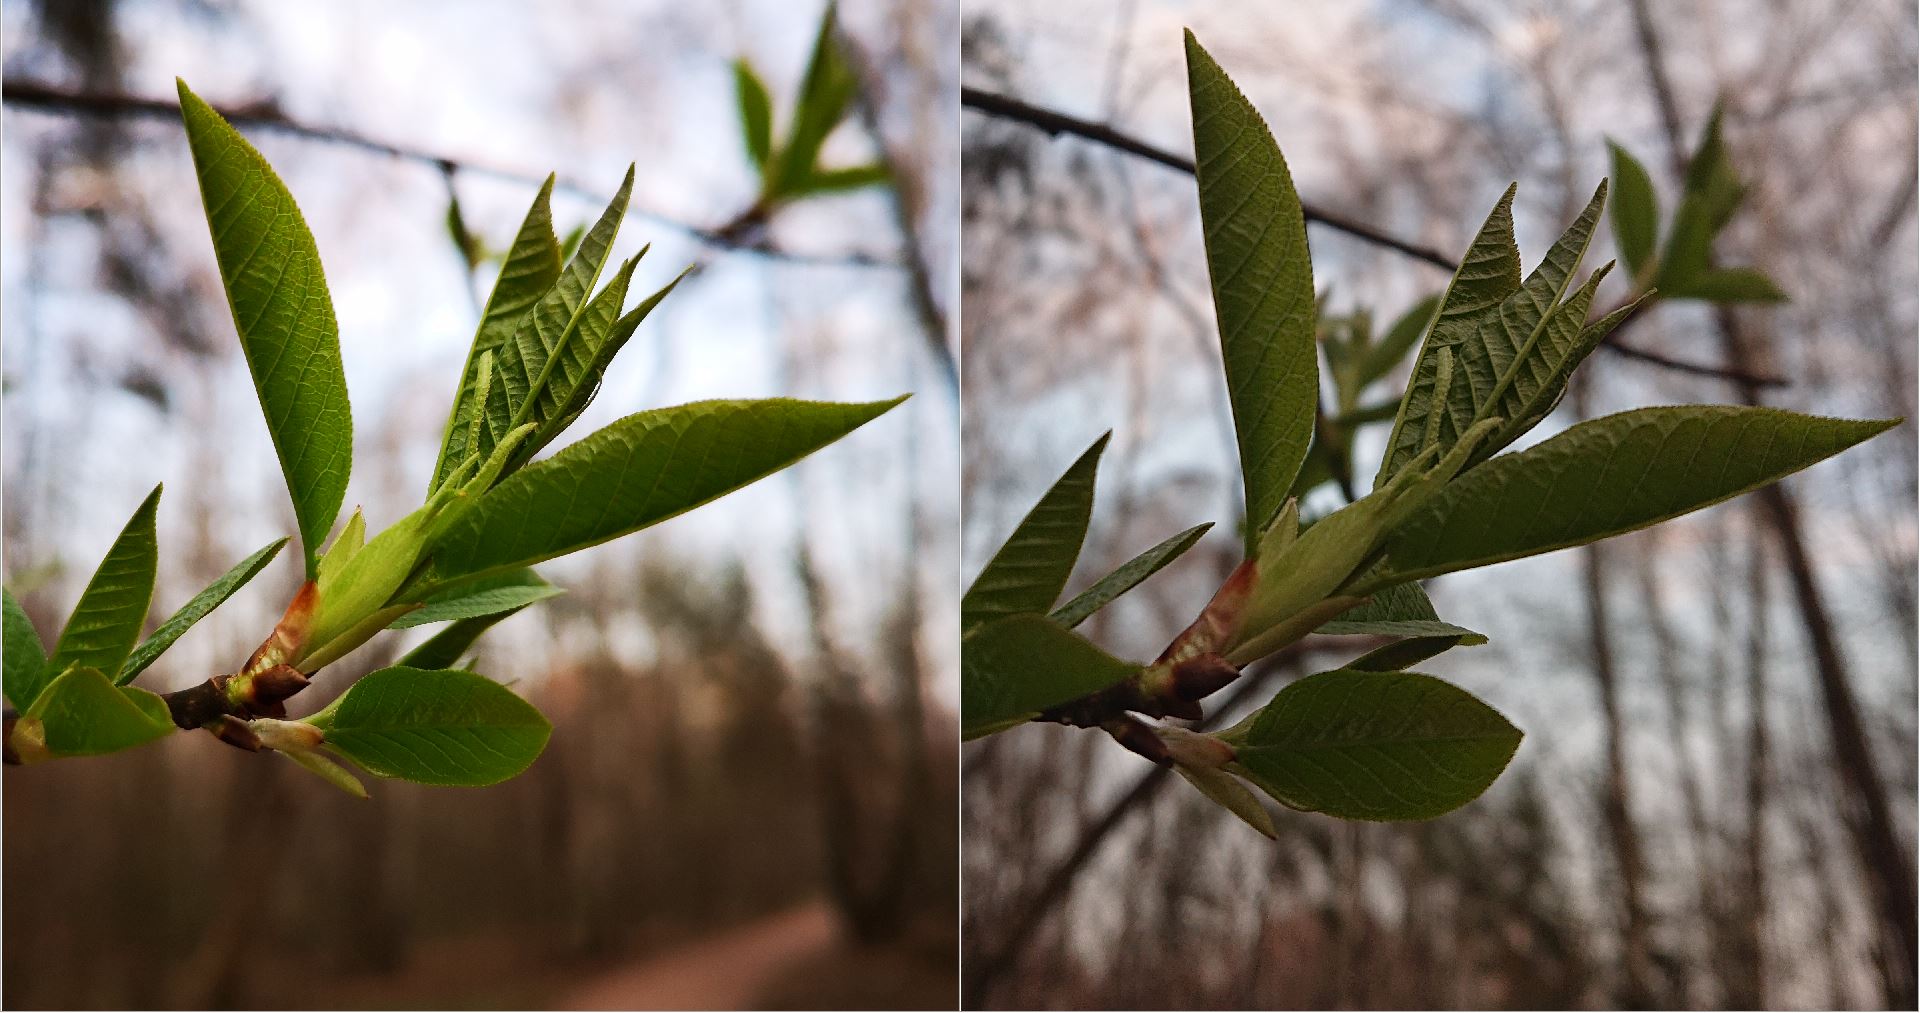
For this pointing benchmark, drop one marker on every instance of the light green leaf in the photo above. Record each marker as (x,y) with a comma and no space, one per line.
(1127,577)
(434,726)
(1609,476)
(1536,380)
(636,472)
(1013,668)
(1032,567)
(84,714)
(1728,285)
(195,610)
(1487,276)
(825,92)
(841,180)
(283,313)
(327,770)
(23,657)
(106,623)
(1231,794)
(756,112)
(1256,241)
(445,648)
(1373,746)
(1400,610)
(506,592)
(1635,212)
(1713,191)
(530,270)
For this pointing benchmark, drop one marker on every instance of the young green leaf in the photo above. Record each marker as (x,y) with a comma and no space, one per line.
(1013,668)
(756,113)
(1401,610)
(1728,285)
(506,592)
(1609,476)
(1535,380)
(604,347)
(1231,794)
(193,611)
(1488,274)
(636,472)
(84,714)
(434,726)
(825,92)
(1127,577)
(106,623)
(283,313)
(529,272)
(22,656)
(1256,242)
(1635,212)
(1712,192)
(334,774)
(855,177)
(1404,654)
(1381,356)
(445,648)
(1032,567)
(1373,746)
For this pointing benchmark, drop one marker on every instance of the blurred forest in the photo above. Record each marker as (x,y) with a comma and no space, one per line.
(1693,821)
(749,797)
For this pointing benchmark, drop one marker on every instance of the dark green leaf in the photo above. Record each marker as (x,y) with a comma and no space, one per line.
(84,714)
(636,472)
(1404,654)
(445,648)
(1713,191)
(195,610)
(841,180)
(106,623)
(1635,212)
(1373,746)
(23,657)
(1401,610)
(756,112)
(1727,285)
(1032,567)
(1256,241)
(1013,668)
(506,592)
(434,726)
(283,313)
(1127,577)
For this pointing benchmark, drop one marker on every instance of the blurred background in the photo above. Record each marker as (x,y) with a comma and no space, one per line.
(1684,825)
(749,798)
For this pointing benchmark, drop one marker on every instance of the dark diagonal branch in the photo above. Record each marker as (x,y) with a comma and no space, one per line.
(1056,123)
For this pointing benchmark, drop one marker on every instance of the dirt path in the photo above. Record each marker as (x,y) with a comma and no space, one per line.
(728,971)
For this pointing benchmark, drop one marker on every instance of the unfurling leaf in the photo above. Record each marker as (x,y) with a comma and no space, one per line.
(1402,610)
(106,622)
(1373,746)
(82,713)
(1110,587)
(195,610)
(434,726)
(1256,242)
(1013,668)
(1032,566)
(445,648)
(283,313)
(507,592)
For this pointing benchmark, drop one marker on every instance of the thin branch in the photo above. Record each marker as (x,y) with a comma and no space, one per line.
(35,95)
(1057,123)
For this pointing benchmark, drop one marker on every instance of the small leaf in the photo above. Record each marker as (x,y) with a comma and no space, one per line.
(842,180)
(195,610)
(1404,654)
(446,647)
(1256,241)
(1728,285)
(825,92)
(1609,476)
(23,657)
(636,472)
(1230,794)
(506,592)
(283,313)
(1032,566)
(1013,668)
(1713,191)
(1402,610)
(434,726)
(1373,746)
(106,623)
(1383,355)
(1635,212)
(84,714)
(529,272)
(756,112)
(328,771)
(1127,577)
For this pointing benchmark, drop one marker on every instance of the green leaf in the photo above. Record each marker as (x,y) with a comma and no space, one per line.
(106,623)
(529,272)
(756,112)
(23,657)
(605,347)
(841,180)
(1488,274)
(84,714)
(1635,212)
(1127,577)
(506,592)
(1404,654)
(1713,191)
(1610,476)
(1256,241)
(1373,746)
(283,313)
(1728,285)
(327,770)
(538,366)
(1381,356)
(434,726)
(1400,610)
(1536,380)
(825,92)
(1013,668)
(1032,567)
(445,648)
(1231,794)
(636,472)
(195,610)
